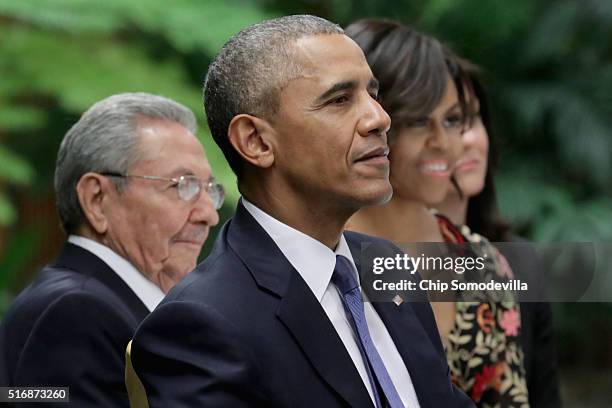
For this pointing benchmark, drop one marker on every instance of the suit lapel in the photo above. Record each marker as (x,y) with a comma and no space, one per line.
(304,317)
(299,310)
(82,261)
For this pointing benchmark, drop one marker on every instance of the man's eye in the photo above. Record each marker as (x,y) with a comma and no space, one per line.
(339,100)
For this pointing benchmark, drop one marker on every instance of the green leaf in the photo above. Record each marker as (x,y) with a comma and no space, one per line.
(189,24)
(65,15)
(21,118)
(435,10)
(79,74)
(23,243)
(553,36)
(7,211)
(192,25)
(14,169)
(584,139)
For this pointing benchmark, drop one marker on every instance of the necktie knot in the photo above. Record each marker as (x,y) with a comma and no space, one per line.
(344,277)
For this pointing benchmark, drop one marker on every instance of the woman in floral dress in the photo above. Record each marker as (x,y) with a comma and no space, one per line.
(472,200)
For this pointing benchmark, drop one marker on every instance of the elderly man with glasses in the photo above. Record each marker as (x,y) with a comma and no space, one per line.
(136,197)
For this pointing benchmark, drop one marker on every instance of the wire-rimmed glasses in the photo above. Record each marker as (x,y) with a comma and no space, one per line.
(188,186)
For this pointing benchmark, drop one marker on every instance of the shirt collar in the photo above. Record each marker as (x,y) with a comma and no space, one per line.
(314,261)
(149,293)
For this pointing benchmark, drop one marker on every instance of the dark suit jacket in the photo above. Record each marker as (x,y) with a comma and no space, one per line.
(244,330)
(70,328)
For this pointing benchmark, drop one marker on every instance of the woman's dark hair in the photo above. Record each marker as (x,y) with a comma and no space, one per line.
(411,68)
(483,214)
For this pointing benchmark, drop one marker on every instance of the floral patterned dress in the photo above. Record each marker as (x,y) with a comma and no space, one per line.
(483,349)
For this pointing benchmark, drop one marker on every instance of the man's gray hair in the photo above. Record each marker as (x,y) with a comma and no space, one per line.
(105,139)
(251,69)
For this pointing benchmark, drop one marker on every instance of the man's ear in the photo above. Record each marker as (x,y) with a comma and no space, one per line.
(253,138)
(92,189)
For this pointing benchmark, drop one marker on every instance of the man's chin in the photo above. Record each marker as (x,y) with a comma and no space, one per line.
(181,262)
(195,246)
(377,195)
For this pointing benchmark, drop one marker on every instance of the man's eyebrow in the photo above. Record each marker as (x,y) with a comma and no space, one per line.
(340,86)
(181,171)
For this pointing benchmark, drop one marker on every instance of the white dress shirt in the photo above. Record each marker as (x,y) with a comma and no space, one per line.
(149,293)
(315,262)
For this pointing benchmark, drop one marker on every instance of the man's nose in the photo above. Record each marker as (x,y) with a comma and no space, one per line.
(204,210)
(375,119)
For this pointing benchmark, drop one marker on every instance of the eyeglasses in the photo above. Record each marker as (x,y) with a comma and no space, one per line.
(188,187)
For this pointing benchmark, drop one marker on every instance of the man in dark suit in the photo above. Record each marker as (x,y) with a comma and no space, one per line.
(274,317)
(136,198)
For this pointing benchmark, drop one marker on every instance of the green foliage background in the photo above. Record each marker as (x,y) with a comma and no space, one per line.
(547,64)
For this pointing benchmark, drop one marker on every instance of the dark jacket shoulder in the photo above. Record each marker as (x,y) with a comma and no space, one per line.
(70,328)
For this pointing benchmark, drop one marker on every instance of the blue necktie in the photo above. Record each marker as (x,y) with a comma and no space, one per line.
(344,278)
